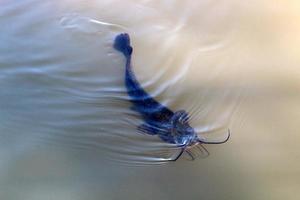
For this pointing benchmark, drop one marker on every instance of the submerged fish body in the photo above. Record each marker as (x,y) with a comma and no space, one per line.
(171,127)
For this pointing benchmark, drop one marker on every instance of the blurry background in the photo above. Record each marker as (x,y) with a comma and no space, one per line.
(65,122)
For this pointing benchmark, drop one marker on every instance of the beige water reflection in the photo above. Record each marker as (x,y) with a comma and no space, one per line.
(247,50)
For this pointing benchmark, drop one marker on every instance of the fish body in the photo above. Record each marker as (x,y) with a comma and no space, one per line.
(171,127)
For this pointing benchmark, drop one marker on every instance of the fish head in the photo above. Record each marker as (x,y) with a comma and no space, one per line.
(181,130)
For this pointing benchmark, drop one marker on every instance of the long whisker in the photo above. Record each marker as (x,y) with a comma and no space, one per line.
(179,155)
(221,142)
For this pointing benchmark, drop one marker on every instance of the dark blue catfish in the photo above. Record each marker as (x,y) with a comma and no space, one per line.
(171,127)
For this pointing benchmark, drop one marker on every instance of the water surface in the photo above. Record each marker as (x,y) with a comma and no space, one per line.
(66,129)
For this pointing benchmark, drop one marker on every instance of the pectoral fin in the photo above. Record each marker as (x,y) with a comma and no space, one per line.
(147,128)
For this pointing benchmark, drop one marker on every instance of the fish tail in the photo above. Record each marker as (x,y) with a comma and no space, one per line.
(122,44)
